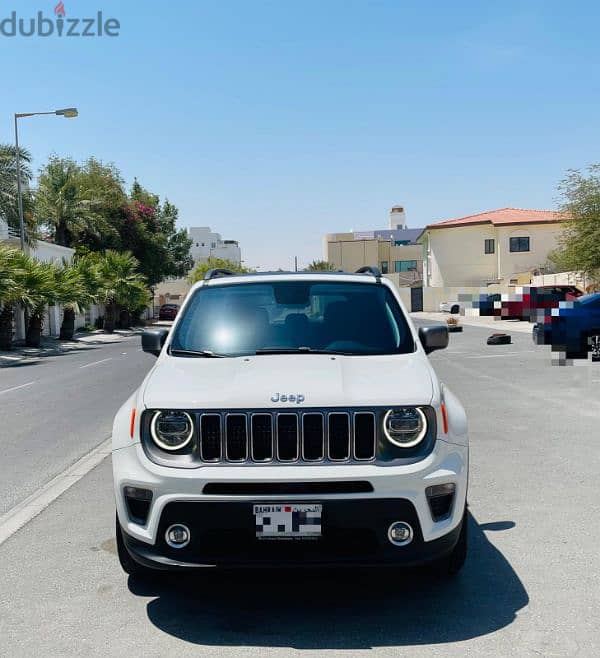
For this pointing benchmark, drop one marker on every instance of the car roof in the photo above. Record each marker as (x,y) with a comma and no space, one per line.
(260,277)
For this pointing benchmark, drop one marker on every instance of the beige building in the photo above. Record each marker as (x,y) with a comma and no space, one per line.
(394,251)
(492,247)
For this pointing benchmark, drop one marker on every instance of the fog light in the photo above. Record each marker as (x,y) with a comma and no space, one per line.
(400,533)
(177,535)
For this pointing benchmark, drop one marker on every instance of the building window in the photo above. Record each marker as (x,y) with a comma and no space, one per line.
(401,243)
(213,245)
(405,266)
(384,267)
(490,246)
(519,244)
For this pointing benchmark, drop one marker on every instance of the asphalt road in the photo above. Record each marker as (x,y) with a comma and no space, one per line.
(529,588)
(58,408)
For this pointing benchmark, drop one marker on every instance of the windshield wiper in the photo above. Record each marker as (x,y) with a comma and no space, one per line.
(199,353)
(297,350)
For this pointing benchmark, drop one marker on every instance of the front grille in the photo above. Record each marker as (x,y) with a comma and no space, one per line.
(287,437)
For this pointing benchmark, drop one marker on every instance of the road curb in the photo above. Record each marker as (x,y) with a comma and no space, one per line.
(28,509)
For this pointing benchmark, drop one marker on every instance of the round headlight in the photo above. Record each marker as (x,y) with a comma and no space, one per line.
(405,427)
(171,430)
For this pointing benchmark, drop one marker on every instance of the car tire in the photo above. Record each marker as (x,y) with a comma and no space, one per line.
(451,564)
(128,564)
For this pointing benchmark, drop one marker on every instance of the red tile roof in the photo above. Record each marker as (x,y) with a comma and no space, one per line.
(504,216)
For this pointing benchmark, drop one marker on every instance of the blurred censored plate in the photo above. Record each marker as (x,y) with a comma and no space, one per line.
(288,521)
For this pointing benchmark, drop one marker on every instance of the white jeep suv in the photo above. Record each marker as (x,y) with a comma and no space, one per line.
(291,419)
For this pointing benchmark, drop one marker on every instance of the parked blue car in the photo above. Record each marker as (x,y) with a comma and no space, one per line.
(573,328)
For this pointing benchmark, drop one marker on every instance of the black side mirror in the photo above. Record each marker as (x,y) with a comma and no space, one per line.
(434,337)
(153,340)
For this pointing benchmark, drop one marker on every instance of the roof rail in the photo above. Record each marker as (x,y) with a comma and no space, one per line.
(369,269)
(217,272)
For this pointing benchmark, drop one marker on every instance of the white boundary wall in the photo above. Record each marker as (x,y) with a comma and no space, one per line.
(560,279)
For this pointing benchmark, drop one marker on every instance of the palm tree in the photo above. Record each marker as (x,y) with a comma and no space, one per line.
(78,288)
(38,289)
(11,269)
(320,266)
(9,205)
(136,300)
(59,201)
(120,281)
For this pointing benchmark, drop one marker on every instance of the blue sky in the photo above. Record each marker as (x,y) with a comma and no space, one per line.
(275,122)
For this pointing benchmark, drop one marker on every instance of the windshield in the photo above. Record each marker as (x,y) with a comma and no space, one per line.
(242,319)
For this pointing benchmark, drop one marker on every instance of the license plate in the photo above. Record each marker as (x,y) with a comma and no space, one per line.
(288,521)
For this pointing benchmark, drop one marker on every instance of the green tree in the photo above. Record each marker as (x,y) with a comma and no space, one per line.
(320,266)
(28,283)
(120,284)
(38,288)
(78,288)
(71,201)
(216,263)
(179,260)
(11,271)
(579,244)
(102,185)
(86,207)
(9,204)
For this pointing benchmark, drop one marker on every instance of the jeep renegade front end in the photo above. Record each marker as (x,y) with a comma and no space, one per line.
(291,419)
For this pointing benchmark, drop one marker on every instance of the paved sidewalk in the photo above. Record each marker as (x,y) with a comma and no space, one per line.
(53,347)
(476,321)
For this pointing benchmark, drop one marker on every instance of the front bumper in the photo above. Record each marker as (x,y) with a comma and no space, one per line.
(354,534)
(354,524)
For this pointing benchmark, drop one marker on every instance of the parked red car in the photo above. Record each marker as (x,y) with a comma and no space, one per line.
(535,302)
(168,312)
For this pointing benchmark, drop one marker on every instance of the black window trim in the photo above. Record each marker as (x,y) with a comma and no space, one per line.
(489,246)
(519,238)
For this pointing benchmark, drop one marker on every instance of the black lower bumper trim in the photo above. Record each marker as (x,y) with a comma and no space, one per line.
(354,533)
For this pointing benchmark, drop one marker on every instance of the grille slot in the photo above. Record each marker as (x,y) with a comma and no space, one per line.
(364,435)
(287,437)
(210,437)
(313,437)
(236,437)
(339,436)
(262,437)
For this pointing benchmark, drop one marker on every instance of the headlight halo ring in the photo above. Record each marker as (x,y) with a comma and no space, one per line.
(407,444)
(156,438)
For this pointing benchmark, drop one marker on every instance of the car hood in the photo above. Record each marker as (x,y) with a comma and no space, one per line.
(323,381)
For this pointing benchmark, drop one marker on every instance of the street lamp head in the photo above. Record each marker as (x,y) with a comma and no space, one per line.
(67,112)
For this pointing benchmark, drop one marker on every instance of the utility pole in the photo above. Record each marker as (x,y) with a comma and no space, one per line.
(295,263)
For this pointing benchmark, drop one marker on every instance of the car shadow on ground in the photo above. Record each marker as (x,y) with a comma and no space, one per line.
(340,609)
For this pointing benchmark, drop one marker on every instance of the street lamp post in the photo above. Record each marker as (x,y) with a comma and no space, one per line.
(68,113)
